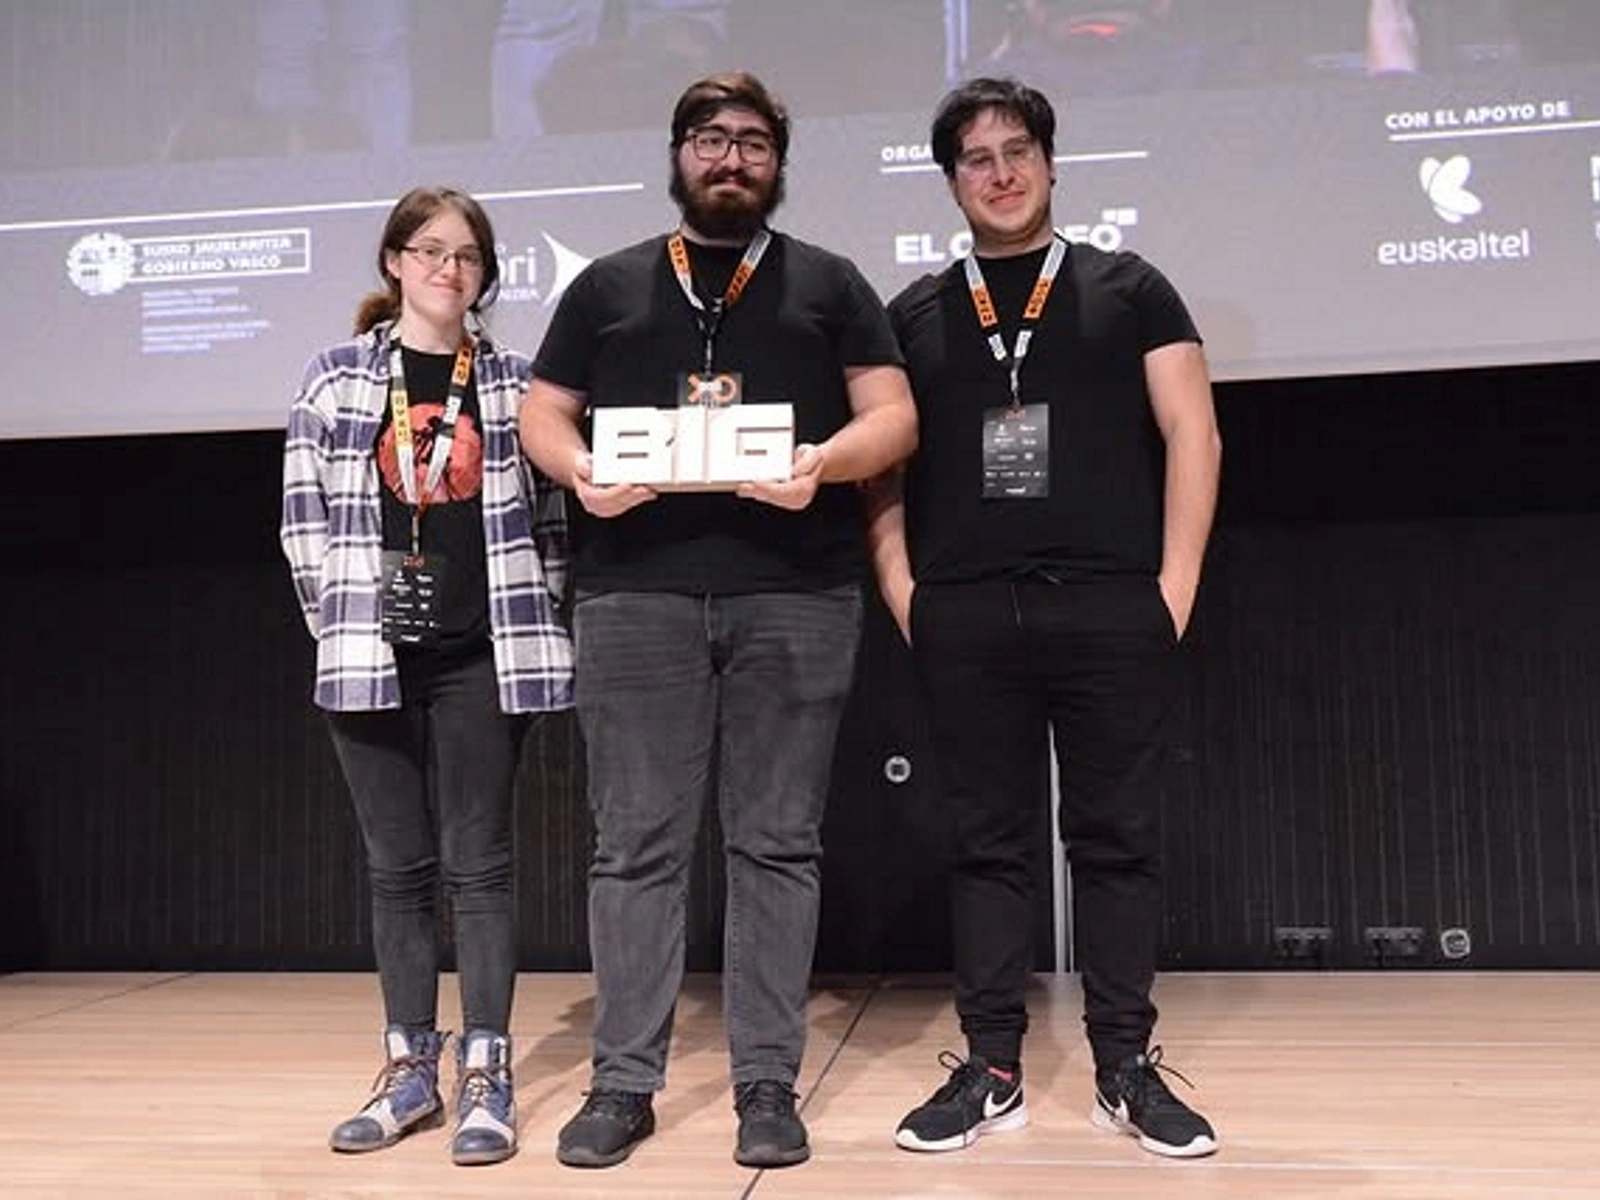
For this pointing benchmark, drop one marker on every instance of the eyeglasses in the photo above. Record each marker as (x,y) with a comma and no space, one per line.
(711,144)
(433,256)
(979,163)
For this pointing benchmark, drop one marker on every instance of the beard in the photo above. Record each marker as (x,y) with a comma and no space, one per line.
(731,217)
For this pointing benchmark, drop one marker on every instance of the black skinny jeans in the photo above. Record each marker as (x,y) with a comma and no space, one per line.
(432,785)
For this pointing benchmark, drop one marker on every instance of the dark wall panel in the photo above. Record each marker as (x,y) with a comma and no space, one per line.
(1392,715)
(1395,725)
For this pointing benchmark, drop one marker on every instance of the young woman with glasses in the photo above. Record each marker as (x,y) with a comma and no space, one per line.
(429,559)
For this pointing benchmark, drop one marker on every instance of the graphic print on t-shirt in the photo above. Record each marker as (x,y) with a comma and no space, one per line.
(462,480)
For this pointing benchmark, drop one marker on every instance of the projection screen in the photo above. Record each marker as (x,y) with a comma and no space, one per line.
(191,191)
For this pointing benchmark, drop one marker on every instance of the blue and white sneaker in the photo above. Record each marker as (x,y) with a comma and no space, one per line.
(405,1095)
(486,1104)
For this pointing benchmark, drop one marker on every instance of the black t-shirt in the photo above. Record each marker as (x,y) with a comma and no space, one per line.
(1103,514)
(624,333)
(452,522)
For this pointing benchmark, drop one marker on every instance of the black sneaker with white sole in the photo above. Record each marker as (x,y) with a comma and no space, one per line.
(1134,1099)
(975,1100)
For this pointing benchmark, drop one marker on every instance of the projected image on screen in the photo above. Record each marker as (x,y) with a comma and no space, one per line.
(1124,47)
(190,191)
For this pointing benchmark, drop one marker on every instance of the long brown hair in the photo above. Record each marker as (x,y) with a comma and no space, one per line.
(409,214)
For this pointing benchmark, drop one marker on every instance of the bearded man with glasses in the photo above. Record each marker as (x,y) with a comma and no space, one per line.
(716,630)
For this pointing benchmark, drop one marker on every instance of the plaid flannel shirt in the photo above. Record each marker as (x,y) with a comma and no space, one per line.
(332,531)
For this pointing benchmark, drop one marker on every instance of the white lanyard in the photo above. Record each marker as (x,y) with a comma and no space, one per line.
(444,439)
(989,320)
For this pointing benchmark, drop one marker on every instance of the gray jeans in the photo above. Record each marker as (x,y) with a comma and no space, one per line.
(681,697)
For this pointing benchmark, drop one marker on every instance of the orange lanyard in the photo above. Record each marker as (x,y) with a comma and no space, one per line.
(710,320)
(444,440)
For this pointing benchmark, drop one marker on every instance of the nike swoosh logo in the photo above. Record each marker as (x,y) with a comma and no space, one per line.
(1119,1114)
(991,1110)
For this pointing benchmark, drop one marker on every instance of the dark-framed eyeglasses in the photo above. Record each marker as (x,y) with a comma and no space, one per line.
(711,143)
(433,256)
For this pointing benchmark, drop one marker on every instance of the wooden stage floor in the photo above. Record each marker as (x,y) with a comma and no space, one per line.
(1391,1085)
